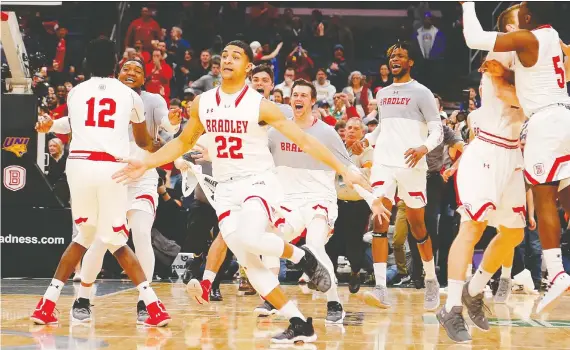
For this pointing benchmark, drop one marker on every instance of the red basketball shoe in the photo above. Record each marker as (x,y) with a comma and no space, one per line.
(43,314)
(200,290)
(157,315)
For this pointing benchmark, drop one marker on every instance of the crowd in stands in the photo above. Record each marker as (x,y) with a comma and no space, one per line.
(181,45)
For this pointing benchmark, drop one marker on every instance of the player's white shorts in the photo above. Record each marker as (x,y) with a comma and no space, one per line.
(99,204)
(299,213)
(410,183)
(143,195)
(490,182)
(547,149)
(230,195)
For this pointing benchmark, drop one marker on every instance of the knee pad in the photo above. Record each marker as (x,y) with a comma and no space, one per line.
(379,234)
(263,280)
(271,262)
(86,235)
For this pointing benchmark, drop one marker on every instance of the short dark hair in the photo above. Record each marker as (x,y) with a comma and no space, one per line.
(322,70)
(101,58)
(303,82)
(175,102)
(542,12)
(216,60)
(289,68)
(279,91)
(264,68)
(507,17)
(242,45)
(404,45)
(341,124)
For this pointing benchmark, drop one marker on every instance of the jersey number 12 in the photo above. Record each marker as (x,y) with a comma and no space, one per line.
(109,107)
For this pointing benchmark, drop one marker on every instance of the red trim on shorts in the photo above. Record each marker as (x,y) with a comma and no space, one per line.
(498,137)
(297,239)
(320,206)
(123,228)
(279,221)
(4,16)
(378,183)
(286,209)
(149,198)
(79,221)
(477,215)
(521,211)
(497,143)
(93,156)
(530,179)
(223,215)
(557,163)
(418,194)
(264,204)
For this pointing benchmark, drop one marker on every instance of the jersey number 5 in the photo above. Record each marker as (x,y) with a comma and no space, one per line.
(229,147)
(109,108)
(559,71)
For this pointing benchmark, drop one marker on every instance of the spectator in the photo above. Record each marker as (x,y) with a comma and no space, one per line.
(353,211)
(176,45)
(68,86)
(430,39)
(287,84)
(357,87)
(473,96)
(340,128)
(323,112)
(143,55)
(204,67)
(325,91)
(300,61)
(184,70)
(60,110)
(277,96)
(383,80)
(189,96)
(338,70)
(144,29)
(159,74)
(372,124)
(259,57)
(209,81)
(56,169)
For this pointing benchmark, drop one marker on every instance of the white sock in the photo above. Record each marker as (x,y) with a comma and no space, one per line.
(209,275)
(454,290)
(469,271)
(148,295)
(380,273)
(54,289)
(479,281)
(429,268)
(332,294)
(298,254)
(553,260)
(290,310)
(506,272)
(85,292)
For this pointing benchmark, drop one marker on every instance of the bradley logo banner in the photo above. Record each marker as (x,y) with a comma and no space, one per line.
(16,145)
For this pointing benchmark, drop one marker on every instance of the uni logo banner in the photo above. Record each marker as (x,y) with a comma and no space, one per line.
(16,145)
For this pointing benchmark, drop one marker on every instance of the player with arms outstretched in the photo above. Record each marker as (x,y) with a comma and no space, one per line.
(541,90)
(237,116)
(100,111)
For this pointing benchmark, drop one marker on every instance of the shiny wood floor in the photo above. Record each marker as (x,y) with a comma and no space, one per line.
(230,324)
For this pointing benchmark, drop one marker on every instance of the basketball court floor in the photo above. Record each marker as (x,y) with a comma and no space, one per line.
(230,324)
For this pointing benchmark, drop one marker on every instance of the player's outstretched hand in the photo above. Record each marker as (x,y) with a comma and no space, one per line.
(200,152)
(353,177)
(181,164)
(44,124)
(414,155)
(133,170)
(380,211)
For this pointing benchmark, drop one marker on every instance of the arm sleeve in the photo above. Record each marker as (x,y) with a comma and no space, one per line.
(137,113)
(372,137)
(475,36)
(61,126)
(429,110)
